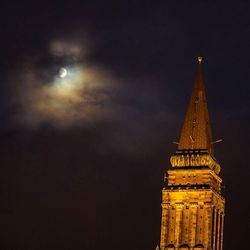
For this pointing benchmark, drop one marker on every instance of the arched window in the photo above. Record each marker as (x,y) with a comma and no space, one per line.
(184,247)
(170,247)
(198,247)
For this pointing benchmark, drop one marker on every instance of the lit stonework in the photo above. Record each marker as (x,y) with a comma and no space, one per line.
(192,204)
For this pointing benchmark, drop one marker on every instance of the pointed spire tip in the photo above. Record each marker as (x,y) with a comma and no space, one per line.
(200,59)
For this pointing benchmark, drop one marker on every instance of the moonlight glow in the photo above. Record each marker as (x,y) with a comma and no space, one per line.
(75,95)
(63,73)
(70,93)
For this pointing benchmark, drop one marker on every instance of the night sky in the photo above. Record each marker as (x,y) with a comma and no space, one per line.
(83,157)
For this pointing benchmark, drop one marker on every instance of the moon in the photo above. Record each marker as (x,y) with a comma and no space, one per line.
(63,73)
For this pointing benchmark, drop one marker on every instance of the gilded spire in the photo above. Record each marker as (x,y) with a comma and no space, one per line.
(196,131)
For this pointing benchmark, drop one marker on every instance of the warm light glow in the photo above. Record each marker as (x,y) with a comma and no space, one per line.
(194,160)
(193,207)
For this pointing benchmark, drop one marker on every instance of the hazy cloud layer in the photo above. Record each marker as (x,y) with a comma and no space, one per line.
(78,96)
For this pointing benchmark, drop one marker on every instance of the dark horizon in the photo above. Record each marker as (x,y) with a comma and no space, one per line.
(82,165)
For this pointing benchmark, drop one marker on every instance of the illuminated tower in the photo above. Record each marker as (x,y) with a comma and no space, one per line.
(192,203)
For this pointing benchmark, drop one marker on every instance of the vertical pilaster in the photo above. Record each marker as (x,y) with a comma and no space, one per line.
(194,208)
(208,226)
(178,222)
(164,226)
(215,228)
(171,225)
(197,234)
(218,232)
(222,229)
(200,225)
(186,225)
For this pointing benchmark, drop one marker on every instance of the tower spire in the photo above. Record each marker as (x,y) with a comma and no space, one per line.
(196,131)
(193,207)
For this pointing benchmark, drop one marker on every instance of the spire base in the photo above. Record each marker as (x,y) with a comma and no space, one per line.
(194,158)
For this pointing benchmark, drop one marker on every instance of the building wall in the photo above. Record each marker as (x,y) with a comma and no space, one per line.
(192,218)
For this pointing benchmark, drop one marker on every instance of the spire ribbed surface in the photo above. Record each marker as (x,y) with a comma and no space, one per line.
(196,131)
